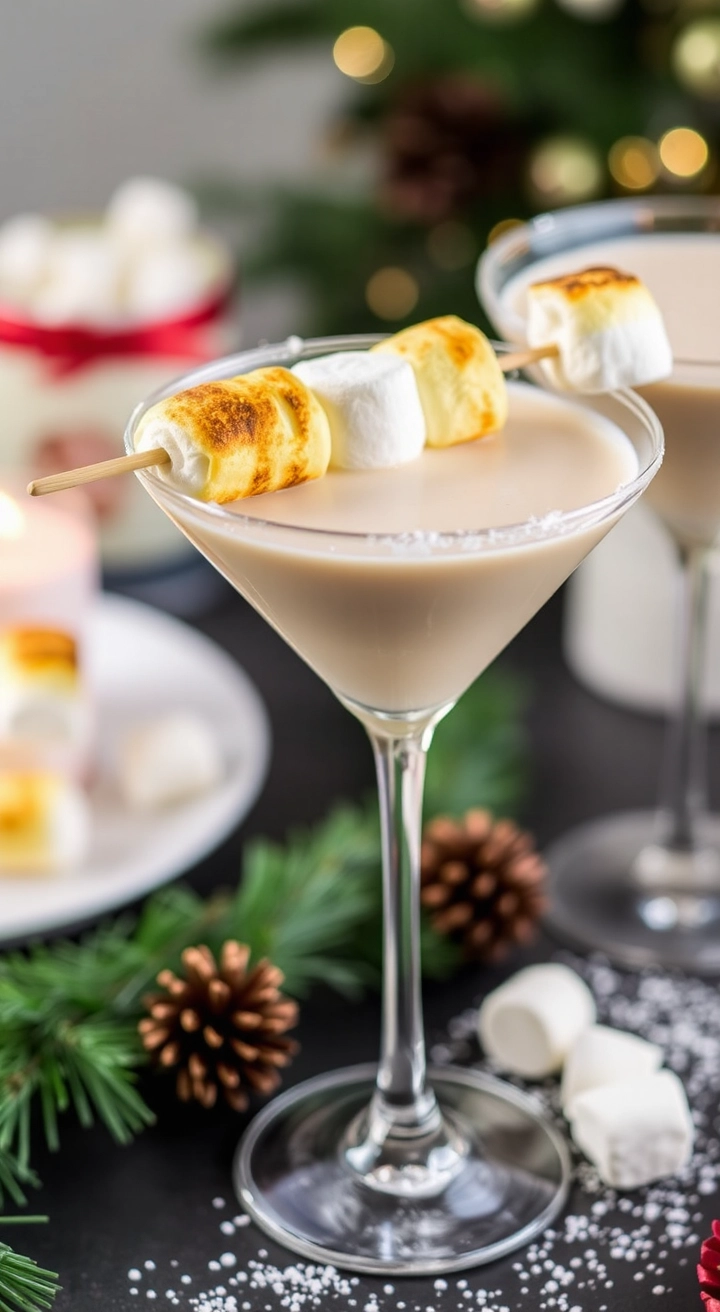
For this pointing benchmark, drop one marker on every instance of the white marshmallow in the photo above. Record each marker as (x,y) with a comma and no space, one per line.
(26,244)
(47,727)
(150,210)
(165,280)
(168,759)
(189,467)
(528,1025)
(607,327)
(636,1132)
(373,405)
(602,1056)
(84,281)
(45,823)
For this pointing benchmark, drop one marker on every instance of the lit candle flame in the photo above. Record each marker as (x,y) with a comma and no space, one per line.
(12,520)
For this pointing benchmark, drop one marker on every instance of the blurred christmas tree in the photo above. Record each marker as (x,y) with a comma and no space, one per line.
(475,113)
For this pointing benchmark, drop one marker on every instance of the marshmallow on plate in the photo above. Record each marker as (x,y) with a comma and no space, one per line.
(26,244)
(150,210)
(608,330)
(44,823)
(602,1056)
(239,436)
(169,759)
(528,1025)
(46,715)
(635,1132)
(165,280)
(373,407)
(462,388)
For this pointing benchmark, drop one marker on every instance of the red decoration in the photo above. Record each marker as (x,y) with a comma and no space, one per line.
(74,346)
(709,1270)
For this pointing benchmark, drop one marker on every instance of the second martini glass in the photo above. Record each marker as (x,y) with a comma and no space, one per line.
(398,1169)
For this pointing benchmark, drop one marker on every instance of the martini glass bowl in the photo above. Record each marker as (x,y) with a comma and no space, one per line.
(396,1168)
(644,886)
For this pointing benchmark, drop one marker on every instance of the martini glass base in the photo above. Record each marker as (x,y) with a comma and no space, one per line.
(613,887)
(291,1176)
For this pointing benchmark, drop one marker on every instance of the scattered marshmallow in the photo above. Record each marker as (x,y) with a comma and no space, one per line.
(635,1132)
(168,759)
(529,1024)
(373,407)
(45,823)
(46,713)
(166,280)
(150,210)
(84,281)
(26,243)
(602,1056)
(607,327)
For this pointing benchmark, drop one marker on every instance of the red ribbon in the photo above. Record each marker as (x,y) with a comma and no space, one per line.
(68,349)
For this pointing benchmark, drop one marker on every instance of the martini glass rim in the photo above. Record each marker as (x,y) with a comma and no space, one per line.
(556,524)
(583,225)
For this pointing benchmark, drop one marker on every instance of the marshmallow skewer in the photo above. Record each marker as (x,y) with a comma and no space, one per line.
(70,478)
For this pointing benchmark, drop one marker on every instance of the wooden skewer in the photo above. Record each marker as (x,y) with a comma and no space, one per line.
(529,355)
(92,473)
(40,487)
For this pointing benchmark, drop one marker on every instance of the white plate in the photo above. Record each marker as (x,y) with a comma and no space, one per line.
(142,663)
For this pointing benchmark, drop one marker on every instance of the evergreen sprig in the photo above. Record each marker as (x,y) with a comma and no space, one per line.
(24,1286)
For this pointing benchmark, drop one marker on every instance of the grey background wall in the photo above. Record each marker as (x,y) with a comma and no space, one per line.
(92,91)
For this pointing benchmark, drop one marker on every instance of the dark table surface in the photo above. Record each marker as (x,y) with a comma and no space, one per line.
(114,1210)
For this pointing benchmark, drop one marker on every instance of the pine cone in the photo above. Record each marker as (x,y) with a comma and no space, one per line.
(449,142)
(222,1028)
(708,1271)
(482,883)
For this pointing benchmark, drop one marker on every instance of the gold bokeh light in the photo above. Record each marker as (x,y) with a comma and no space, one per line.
(634,163)
(361,53)
(696,57)
(392,293)
(684,152)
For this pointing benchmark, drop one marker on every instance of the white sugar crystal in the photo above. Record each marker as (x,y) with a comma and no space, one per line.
(528,1025)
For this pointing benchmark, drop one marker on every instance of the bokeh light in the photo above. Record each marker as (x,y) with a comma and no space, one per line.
(361,53)
(696,57)
(634,163)
(499,11)
(684,152)
(392,293)
(452,245)
(565,170)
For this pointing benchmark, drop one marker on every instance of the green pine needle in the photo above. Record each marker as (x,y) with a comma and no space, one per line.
(24,1286)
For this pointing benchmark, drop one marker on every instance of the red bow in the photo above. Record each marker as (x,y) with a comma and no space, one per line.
(709,1270)
(69,348)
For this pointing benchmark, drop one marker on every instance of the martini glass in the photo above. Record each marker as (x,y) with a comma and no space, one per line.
(644,887)
(399,1169)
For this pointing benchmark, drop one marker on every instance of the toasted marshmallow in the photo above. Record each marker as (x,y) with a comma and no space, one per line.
(165,280)
(608,330)
(635,1132)
(462,388)
(603,1056)
(149,210)
(529,1024)
(44,823)
(239,436)
(373,407)
(169,759)
(46,715)
(26,244)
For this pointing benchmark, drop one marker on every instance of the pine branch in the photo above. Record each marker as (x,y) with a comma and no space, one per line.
(14,1178)
(24,1286)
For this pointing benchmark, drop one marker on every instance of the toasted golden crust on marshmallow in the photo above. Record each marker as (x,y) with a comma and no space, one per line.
(40,656)
(241,436)
(606,325)
(461,385)
(44,822)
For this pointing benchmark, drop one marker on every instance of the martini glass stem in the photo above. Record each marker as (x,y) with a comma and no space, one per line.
(685,779)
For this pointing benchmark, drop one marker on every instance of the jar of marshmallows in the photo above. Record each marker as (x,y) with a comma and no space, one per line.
(94,315)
